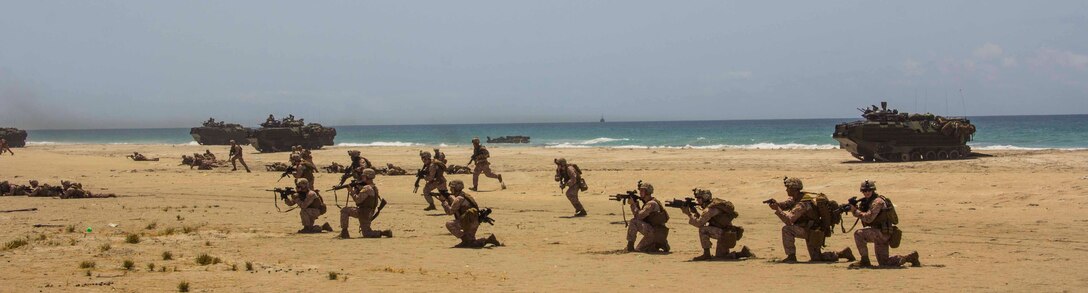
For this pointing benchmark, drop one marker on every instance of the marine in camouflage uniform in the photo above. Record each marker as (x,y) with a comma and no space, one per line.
(310,207)
(208,154)
(357,161)
(392,170)
(75,190)
(648,220)
(480,156)
(466,219)
(570,176)
(878,217)
(435,178)
(43,190)
(235,156)
(11,189)
(303,169)
(304,153)
(715,221)
(4,147)
(366,203)
(799,217)
(5,188)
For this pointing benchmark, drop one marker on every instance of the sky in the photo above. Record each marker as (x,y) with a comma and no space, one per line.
(146,64)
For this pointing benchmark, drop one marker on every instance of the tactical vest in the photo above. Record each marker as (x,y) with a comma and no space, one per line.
(726,214)
(307,169)
(469,212)
(319,203)
(371,202)
(481,154)
(885,218)
(659,217)
(439,170)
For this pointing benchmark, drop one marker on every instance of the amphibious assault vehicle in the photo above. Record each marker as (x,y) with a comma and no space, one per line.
(16,138)
(890,136)
(220,133)
(509,139)
(279,136)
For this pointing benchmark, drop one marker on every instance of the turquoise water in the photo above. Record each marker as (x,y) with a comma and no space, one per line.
(994,132)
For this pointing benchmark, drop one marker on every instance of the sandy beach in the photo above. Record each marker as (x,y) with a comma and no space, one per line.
(1012,221)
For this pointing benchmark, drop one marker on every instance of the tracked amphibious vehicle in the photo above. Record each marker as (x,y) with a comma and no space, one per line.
(15,137)
(280,136)
(220,133)
(890,136)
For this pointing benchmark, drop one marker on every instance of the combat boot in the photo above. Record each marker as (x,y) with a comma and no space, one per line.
(847,253)
(326,227)
(790,258)
(912,258)
(429,208)
(665,246)
(630,246)
(387,233)
(344,234)
(863,263)
(705,256)
(744,252)
(493,240)
(581,213)
(503,185)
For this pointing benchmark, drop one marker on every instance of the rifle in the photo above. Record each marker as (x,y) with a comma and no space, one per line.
(623,198)
(770,201)
(419,176)
(561,176)
(283,194)
(686,203)
(353,183)
(475,152)
(485,216)
(845,208)
(444,195)
(232,152)
(381,205)
(287,172)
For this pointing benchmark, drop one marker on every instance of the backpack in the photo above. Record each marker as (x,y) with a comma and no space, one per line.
(824,212)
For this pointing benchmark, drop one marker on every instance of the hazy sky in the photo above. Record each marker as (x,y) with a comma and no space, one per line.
(106,64)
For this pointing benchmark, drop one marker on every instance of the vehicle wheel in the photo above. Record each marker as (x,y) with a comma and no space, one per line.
(942,155)
(930,155)
(955,155)
(905,157)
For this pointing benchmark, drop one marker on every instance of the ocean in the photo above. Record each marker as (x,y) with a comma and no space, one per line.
(1068,132)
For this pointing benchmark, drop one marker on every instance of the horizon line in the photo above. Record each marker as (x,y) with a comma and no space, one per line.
(563,122)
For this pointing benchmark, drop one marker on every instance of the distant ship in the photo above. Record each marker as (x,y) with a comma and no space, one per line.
(602,118)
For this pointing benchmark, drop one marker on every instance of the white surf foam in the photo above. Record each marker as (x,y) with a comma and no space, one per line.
(756,146)
(602,140)
(379,144)
(1019,148)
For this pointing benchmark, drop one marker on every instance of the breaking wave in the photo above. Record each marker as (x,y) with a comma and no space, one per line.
(756,146)
(380,144)
(1019,148)
(602,140)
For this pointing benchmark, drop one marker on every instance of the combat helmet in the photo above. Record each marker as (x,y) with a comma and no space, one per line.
(702,194)
(457,185)
(868,185)
(793,183)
